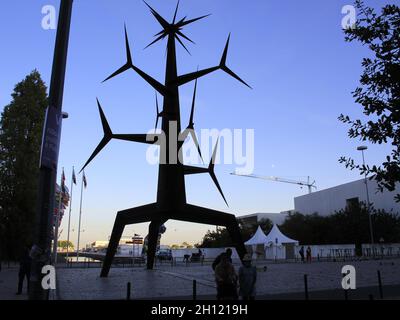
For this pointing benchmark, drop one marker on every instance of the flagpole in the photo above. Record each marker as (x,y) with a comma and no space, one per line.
(70,208)
(55,244)
(80,215)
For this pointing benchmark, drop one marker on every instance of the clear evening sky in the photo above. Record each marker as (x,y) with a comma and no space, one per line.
(292,53)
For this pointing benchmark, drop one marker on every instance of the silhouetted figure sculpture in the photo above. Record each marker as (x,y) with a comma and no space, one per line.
(171,194)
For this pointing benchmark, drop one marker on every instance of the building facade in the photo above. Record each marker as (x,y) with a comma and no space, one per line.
(326,202)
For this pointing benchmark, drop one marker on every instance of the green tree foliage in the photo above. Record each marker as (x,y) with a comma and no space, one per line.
(63,244)
(348,226)
(20,139)
(379,90)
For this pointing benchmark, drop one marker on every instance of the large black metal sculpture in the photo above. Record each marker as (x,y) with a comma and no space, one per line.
(171,194)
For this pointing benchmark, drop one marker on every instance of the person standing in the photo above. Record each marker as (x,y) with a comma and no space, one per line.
(226,279)
(24,270)
(227,253)
(301,252)
(308,254)
(247,279)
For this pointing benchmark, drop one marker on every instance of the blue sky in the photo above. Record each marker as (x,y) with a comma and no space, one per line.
(292,53)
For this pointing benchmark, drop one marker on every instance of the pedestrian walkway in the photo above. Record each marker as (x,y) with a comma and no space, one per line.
(285,280)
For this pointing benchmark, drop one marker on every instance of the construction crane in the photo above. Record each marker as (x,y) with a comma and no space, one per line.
(307,183)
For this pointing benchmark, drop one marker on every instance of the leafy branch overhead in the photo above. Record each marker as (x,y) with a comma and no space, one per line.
(379,91)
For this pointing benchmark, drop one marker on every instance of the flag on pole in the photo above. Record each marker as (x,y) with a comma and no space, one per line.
(84,180)
(63,182)
(73,176)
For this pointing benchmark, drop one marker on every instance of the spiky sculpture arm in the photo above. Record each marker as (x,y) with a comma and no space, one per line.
(181,80)
(108,135)
(210,170)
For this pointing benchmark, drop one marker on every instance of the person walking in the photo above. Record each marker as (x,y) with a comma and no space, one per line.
(247,279)
(308,252)
(301,252)
(226,279)
(24,270)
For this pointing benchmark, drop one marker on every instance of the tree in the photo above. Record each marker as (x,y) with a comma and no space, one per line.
(221,238)
(63,244)
(347,226)
(379,90)
(20,139)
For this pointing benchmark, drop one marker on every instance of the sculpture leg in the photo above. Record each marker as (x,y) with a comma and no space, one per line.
(197,214)
(130,216)
(116,235)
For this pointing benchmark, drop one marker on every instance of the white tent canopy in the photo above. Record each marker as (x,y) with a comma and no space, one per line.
(275,236)
(258,238)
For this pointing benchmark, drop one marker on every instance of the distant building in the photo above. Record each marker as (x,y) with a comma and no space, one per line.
(256,218)
(326,202)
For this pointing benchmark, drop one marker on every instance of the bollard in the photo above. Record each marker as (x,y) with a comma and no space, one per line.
(194,289)
(380,285)
(305,287)
(128,291)
(346,294)
(371,297)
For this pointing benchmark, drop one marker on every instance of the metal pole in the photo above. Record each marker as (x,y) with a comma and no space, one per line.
(305,287)
(55,241)
(128,291)
(194,289)
(69,215)
(368,208)
(41,249)
(80,216)
(380,284)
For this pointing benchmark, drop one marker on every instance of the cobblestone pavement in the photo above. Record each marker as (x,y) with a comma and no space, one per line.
(167,281)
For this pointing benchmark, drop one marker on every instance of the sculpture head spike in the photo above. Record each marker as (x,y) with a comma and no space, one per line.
(160,19)
(173,29)
(176,12)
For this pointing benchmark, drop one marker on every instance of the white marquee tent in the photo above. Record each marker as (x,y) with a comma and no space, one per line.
(273,243)
(275,236)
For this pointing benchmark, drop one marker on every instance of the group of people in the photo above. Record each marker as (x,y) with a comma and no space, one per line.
(228,281)
(308,254)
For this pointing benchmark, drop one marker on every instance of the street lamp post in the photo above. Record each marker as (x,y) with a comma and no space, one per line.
(362,149)
(41,249)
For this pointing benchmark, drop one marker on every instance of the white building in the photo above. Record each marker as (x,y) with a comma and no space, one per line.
(326,202)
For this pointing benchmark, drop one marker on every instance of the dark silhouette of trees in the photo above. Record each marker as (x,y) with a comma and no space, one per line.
(347,226)
(20,139)
(379,90)
(221,238)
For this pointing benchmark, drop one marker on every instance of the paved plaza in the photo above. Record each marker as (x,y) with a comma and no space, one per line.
(172,282)
(168,281)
